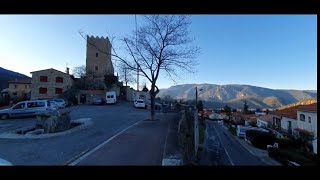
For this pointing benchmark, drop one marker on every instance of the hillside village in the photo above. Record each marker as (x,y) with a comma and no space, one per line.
(89,115)
(53,83)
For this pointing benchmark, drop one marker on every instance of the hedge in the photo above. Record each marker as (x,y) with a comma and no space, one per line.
(260,139)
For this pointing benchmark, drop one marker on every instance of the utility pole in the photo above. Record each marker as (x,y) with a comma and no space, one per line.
(135,19)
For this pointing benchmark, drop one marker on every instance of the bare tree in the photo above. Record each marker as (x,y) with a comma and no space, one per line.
(125,74)
(79,71)
(160,44)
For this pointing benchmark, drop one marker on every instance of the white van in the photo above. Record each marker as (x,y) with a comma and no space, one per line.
(27,108)
(241,130)
(111,97)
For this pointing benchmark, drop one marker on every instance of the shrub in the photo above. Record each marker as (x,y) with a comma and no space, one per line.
(285,155)
(288,143)
(260,139)
(232,130)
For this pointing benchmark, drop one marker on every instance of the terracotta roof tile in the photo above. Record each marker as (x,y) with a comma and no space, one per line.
(288,112)
(22,81)
(267,118)
(309,108)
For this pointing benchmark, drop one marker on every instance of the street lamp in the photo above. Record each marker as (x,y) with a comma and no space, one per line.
(197,97)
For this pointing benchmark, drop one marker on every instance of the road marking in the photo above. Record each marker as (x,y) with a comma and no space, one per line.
(235,139)
(223,145)
(88,152)
(240,142)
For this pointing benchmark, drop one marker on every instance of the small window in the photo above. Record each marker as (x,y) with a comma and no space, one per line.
(59,79)
(58,90)
(309,119)
(96,54)
(302,117)
(42,90)
(14,93)
(26,86)
(111,96)
(96,68)
(18,106)
(15,86)
(43,78)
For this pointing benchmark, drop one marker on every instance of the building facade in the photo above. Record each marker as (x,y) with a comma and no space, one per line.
(307,123)
(49,83)
(98,57)
(19,89)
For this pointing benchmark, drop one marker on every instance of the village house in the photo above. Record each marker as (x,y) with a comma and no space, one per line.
(307,124)
(49,83)
(250,119)
(265,121)
(285,121)
(18,89)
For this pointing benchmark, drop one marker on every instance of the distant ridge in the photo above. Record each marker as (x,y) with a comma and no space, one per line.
(8,75)
(234,95)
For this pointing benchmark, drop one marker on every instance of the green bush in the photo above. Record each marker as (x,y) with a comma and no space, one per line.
(232,130)
(285,143)
(260,139)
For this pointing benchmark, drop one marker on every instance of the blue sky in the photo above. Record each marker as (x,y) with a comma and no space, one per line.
(273,51)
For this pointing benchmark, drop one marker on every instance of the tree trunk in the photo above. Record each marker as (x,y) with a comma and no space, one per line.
(152,108)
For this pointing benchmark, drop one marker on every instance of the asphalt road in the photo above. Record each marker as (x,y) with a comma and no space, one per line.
(225,150)
(108,120)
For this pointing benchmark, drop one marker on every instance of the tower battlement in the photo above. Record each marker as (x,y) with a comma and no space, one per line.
(94,38)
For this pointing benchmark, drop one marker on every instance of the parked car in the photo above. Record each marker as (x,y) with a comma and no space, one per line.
(27,108)
(59,102)
(241,130)
(139,103)
(111,97)
(97,101)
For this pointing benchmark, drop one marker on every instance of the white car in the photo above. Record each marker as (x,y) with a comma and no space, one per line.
(60,103)
(139,103)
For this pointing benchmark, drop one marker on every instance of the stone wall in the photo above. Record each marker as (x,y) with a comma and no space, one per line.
(19,90)
(51,84)
(98,57)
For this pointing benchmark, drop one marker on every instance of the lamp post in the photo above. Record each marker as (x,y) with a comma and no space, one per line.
(197,97)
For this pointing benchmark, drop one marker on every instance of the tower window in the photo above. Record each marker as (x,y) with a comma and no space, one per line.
(96,68)
(96,54)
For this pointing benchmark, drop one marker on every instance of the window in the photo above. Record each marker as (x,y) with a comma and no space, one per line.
(14,93)
(309,119)
(59,79)
(42,90)
(26,86)
(58,90)
(96,68)
(96,54)
(18,106)
(43,78)
(15,86)
(302,117)
(36,104)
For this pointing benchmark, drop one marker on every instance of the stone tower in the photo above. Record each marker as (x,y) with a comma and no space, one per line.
(98,63)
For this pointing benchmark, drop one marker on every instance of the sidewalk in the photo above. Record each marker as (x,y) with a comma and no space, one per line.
(142,144)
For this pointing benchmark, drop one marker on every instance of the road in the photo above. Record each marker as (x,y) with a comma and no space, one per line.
(225,150)
(107,120)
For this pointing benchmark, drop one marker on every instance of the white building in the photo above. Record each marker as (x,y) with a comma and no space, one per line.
(265,121)
(285,121)
(307,123)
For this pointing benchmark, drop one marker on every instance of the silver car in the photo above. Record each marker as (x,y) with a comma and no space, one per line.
(27,108)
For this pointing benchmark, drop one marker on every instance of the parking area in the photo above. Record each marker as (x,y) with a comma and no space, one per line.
(108,120)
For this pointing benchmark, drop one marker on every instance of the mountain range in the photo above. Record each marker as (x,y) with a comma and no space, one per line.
(234,95)
(8,75)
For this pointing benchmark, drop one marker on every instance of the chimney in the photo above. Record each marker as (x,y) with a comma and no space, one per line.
(67,70)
